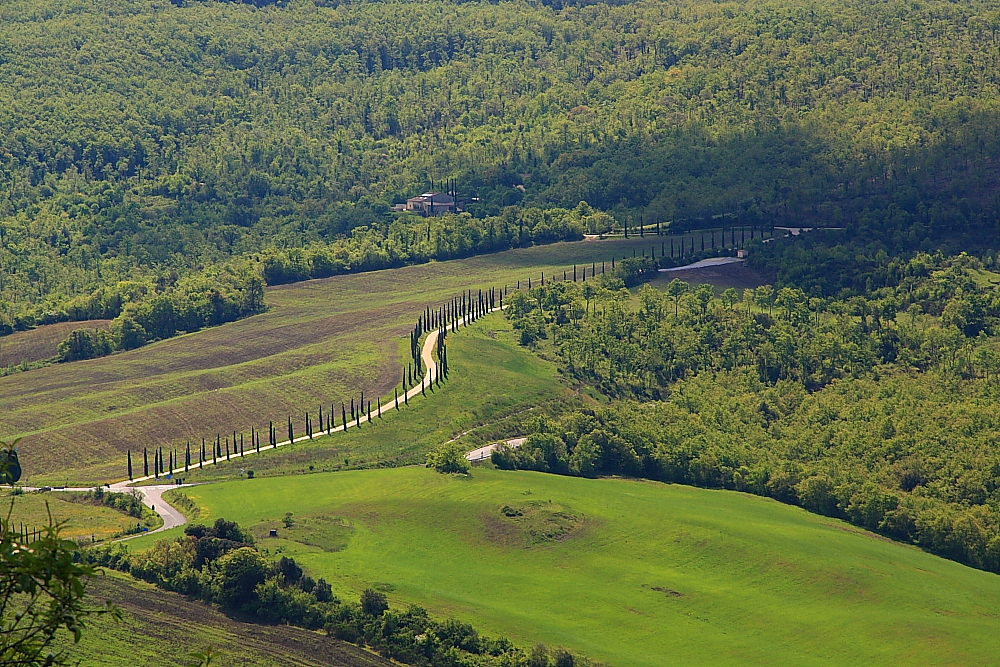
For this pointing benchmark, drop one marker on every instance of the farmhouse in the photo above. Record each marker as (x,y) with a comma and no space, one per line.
(429,203)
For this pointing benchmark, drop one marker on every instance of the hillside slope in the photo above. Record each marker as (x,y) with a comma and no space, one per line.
(710,577)
(144,138)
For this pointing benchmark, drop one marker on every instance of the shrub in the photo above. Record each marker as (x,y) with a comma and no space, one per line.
(448,458)
(374,603)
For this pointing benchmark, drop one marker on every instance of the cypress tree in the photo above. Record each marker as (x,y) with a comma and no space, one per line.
(352,408)
(187,457)
(171,468)
(227,447)
(241,445)
(362,404)
(309,430)
(369,412)
(156,465)
(343,415)
(160,450)
(395,398)
(201,460)
(291,432)
(422,390)
(145,463)
(130,464)
(270,432)
(406,397)
(379,399)
(321,418)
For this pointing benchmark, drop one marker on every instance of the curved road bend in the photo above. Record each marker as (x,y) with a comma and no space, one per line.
(153,495)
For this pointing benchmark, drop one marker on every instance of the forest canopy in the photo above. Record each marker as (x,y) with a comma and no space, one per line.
(144,140)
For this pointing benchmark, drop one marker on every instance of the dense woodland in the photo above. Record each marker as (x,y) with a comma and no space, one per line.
(878,408)
(144,139)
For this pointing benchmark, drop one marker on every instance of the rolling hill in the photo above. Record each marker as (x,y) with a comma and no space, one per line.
(632,573)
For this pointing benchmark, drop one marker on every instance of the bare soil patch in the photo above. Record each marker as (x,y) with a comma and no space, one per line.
(533,523)
(41,343)
(169,616)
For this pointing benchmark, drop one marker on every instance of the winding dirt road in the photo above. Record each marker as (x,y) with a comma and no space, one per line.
(153,495)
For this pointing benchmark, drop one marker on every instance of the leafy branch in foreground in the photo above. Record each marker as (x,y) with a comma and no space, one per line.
(42,588)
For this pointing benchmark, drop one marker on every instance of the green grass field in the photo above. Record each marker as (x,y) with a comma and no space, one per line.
(630,573)
(322,341)
(82,521)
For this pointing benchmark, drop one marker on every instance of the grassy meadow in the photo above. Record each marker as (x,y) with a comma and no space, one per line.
(82,520)
(321,341)
(631,573)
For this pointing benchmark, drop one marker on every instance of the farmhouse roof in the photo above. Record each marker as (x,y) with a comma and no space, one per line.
(435,197)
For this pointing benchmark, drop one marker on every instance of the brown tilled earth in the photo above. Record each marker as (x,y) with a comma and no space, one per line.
(40,343)
(723,277)
(154,617)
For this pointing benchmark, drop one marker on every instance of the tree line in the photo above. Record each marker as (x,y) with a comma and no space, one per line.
(872,408)
(449,316)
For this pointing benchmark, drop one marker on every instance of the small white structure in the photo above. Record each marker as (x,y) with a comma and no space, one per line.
(742,254)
